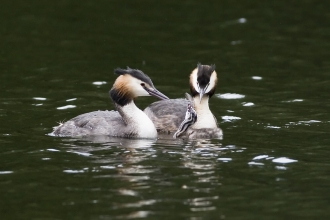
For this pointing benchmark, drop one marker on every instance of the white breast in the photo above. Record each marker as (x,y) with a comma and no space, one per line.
(139,121)
(205,118)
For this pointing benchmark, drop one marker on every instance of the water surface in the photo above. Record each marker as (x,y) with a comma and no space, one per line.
(57,61)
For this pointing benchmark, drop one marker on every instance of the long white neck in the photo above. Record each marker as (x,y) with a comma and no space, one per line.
(137,120)
(205,118)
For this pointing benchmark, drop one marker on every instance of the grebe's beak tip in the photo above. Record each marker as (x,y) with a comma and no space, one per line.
(156,93)
(201,96)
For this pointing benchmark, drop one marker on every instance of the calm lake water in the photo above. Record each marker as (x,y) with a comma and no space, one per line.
(272,102)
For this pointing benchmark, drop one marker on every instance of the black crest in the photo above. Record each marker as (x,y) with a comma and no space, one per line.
(204,74)
(135,73)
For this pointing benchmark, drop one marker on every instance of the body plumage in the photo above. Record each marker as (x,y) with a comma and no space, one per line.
(128,121)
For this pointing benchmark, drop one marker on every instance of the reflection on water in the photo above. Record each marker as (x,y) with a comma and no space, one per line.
(57,61)
(133,163)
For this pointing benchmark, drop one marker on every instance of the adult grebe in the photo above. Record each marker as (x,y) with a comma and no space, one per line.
(128,121)
(167,115)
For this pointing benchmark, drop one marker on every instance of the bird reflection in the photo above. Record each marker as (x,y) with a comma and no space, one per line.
(201,157)
(125,154)
(132,166)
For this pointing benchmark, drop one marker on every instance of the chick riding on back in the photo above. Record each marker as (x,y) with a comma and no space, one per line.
(167,115)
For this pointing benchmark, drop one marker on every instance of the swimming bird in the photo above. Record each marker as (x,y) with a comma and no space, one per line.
(167,115)
(128,121)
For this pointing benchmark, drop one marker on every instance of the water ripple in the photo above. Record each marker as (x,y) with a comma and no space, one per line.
(66,107)
(230,96)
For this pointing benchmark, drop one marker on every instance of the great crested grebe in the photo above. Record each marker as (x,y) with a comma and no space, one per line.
(167,115)
(128,121)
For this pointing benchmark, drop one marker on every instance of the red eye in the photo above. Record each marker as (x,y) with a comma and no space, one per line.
(142,84)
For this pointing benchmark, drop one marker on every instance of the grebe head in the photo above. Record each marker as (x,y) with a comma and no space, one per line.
(132,83)
(203,80)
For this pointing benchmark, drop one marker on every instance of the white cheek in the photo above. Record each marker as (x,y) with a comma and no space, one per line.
(194,80)
(137,89)
(212,82)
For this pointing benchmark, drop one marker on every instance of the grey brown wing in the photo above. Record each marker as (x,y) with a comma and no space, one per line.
(167,115)
(97,122)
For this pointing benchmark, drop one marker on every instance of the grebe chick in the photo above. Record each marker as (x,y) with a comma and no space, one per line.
(190,119)
(167,115)
(128,121)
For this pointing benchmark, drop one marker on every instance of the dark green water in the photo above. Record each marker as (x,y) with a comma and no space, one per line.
(272,103)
